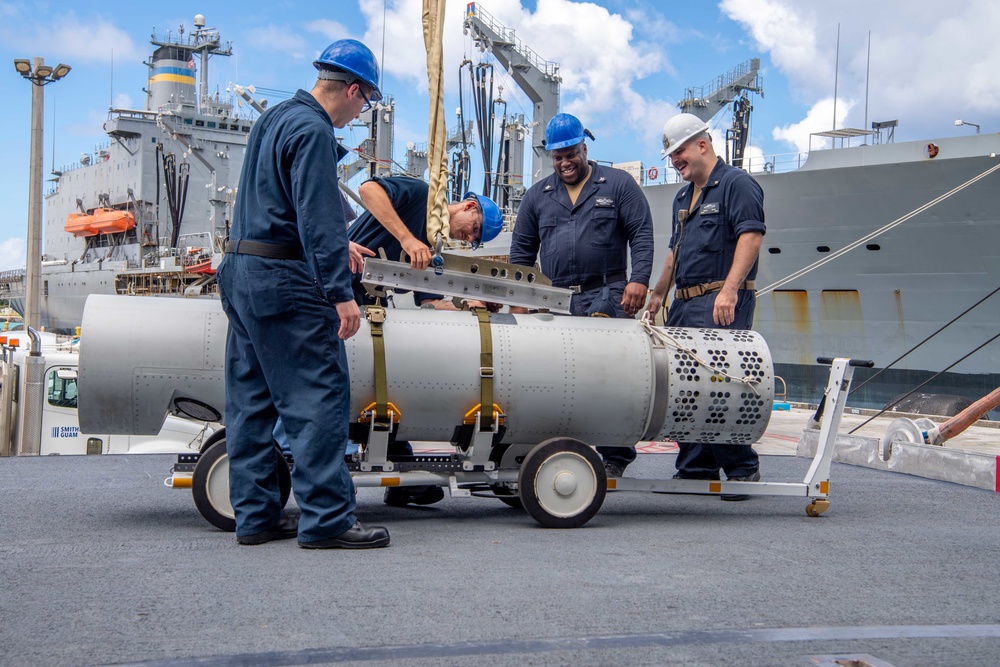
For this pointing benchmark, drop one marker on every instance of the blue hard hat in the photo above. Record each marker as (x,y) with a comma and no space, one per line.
(353,57)
(492,219)
(562,131)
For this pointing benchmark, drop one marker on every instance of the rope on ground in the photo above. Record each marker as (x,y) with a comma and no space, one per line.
(672,342)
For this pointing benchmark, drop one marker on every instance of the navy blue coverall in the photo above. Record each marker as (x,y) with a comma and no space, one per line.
(283,354)
(586,245)
(408,197)
(731,203)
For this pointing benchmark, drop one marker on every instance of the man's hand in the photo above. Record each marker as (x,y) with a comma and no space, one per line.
(420,254)
(518,310)
(654,305)
(488,305)
(357,254)
(439,304)
(725,307)
(350,319)
(633,297)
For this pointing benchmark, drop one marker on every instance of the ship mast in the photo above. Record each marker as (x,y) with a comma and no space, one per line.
(708,100)
(538,78)
(172,69)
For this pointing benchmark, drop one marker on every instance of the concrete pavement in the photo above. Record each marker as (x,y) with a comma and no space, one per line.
(102,564)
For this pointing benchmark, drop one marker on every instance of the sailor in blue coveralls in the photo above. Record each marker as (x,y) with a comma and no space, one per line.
(718,225)
(285,285)
(581,222)
(396,220)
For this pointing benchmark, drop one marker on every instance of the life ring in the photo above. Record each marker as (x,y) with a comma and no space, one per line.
(653,173)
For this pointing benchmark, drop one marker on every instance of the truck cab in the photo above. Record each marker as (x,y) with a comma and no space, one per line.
(52,412)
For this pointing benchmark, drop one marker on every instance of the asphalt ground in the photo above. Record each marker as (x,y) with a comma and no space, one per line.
(100,563)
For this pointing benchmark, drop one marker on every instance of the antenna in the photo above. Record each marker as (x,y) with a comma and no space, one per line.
(836,74)
(868,71)
(53,134)
(381,71)
(111,92)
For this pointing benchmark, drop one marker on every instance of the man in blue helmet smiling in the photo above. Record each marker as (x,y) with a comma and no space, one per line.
(583,222)
(285,285)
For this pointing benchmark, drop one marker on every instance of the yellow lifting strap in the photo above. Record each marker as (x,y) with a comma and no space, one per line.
(437,158)
(376,316)
(485,369)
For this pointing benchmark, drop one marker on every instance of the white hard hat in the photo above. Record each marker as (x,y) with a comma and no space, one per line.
(679,129)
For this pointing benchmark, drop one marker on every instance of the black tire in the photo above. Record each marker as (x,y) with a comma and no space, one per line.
(562,483)
(210,485)
(506,496)
(212,439)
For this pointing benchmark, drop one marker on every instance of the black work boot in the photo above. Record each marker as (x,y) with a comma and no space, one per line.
(401,496)
(286,528)
(614,469)
(355,537)
(735,497)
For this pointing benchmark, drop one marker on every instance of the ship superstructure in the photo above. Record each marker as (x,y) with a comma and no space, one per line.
(148,210)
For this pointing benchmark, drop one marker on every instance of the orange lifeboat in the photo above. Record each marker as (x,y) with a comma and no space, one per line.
(80,224)
(110,221)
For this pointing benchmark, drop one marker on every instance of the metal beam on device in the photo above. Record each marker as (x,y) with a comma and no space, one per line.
(470,278)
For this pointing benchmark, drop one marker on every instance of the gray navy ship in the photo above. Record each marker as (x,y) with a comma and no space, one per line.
(854,262)
(869,251)
(147,212)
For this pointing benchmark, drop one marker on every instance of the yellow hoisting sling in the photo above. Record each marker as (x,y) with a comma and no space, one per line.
(437,159)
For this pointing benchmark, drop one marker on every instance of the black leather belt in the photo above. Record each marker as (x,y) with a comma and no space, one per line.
(594,283)
(262,249)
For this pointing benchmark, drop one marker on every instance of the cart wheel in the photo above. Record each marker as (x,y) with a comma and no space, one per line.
(210,486)
(817,507)
(508,497)
(562,483)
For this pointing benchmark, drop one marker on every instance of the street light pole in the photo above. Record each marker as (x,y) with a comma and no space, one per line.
(39,75)
(32,297)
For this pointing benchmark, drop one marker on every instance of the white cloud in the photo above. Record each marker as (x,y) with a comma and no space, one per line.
(600,56)
(74,39)
(753,159)
(12,254)
(929,64)
(279,37)
(819,119)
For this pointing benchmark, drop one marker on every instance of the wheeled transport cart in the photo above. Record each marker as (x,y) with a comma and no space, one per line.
(555,388)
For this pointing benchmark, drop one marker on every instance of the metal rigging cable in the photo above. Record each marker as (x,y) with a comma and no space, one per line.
(878,232)
(900,357)
(925,383)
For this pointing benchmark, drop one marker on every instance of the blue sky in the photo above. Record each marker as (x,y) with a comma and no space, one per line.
(624,63)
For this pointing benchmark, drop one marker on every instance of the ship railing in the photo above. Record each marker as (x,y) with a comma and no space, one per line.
(11,275)
(508,35)
(138,114)
(775,163)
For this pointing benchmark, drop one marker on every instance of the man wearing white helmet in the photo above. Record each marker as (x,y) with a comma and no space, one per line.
(718,225)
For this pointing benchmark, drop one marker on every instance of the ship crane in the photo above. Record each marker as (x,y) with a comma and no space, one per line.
(538,78)
(705,102)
